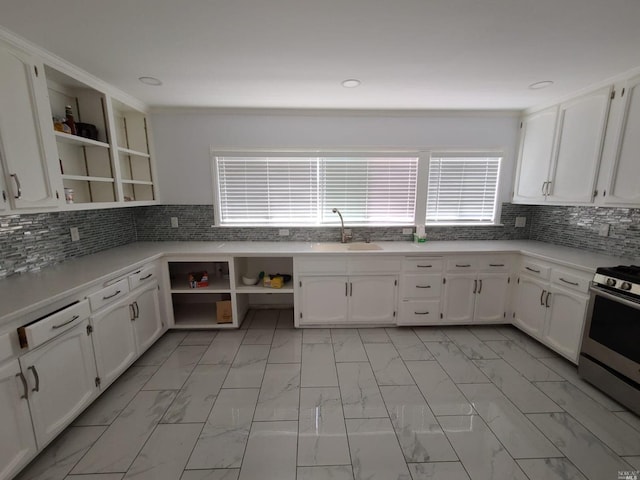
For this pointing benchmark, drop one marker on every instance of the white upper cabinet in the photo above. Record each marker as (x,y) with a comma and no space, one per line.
(534,160)
(560,151)
(28,146)
(581,127)
(621,186)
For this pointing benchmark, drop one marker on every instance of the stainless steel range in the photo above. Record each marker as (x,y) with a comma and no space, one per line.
(610,353)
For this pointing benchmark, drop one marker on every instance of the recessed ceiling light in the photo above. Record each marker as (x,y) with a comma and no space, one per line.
(351,83)
(540,85)
(154,82)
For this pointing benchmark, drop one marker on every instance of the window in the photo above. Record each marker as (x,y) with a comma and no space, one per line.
(462,189)
(282,190)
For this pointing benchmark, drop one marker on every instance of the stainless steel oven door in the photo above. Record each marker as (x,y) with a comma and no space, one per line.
(612,332)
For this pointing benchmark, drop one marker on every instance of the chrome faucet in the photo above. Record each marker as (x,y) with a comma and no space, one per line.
(344,238)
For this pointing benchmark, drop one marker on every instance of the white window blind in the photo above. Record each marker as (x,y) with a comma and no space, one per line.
(369,190)
(462,189)
(304,190)
(267,190)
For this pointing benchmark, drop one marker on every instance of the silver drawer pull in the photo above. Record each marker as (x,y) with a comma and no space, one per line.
(570,283)
(148,276)
(18,186)
(423,286)
(424,266)
(421,313)
(25,388)
(496,264)
(111,296)
(532,269)
(463,266)
(75,317)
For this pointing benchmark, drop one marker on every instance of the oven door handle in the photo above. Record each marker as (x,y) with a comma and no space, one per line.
(615,298)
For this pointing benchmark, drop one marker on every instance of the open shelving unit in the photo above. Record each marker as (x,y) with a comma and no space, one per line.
(86,164)
(196,307)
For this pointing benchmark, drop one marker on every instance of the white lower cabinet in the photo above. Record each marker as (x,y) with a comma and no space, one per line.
(61,378)
(114,341)
(564,321)
(147,321)
(17,442)
(473,298)
(365,299)
(552,314)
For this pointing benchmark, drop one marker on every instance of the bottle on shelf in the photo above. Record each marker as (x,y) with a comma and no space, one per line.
(69,119)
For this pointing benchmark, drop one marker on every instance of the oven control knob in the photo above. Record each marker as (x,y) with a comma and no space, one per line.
(625,286)
(611,282)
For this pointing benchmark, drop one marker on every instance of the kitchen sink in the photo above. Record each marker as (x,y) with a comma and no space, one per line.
(344,247)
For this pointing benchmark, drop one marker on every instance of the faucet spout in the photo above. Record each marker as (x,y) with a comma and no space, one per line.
(344,238)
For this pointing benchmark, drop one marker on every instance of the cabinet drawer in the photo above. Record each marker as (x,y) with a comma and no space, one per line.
(145,275)
(419,312)
(422,264)
(109,294)
(536,269)
(462,264)
(421,286)
(322,265)
(494,263)
(375,264)
(571,280)
(49,327)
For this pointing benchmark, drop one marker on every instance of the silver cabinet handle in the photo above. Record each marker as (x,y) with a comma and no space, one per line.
(350,289)
(25,388)
(18,186)
(532,269)
(346,289)
(75,317)
(111,296)
(36,377)
(423,286)
(136,309)
(496,264)
(567,281)
(544,184)
(480,288)
(463,266)
(424,266)
(548,188)
(132,312)
(147,276)
(475,286)
(546,300)
(542,295)
(421,313)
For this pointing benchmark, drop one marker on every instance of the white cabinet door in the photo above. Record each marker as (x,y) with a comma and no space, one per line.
(372,299)
(17,443)
(459,298)
(324,300)
(623,187)
(113,341)
(530,310)
(536,148)
(491,297)
(565,321)
(581,127)
(147,323)
(27,142)
(62,381)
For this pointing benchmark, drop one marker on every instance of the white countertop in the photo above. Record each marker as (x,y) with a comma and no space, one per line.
(21,294)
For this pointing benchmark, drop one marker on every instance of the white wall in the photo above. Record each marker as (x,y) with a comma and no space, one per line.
(183,139)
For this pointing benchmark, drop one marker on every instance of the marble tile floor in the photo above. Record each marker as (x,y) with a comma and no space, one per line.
(272,402)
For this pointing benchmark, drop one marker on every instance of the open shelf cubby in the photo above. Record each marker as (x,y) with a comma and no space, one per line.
(198,311)
(252,266)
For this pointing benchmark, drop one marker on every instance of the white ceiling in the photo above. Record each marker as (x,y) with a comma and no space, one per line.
(409,54)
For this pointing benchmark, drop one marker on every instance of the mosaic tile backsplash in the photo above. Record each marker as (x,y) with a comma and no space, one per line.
(31,242)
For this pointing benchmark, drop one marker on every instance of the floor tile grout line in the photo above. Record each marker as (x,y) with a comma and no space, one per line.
(344,418)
